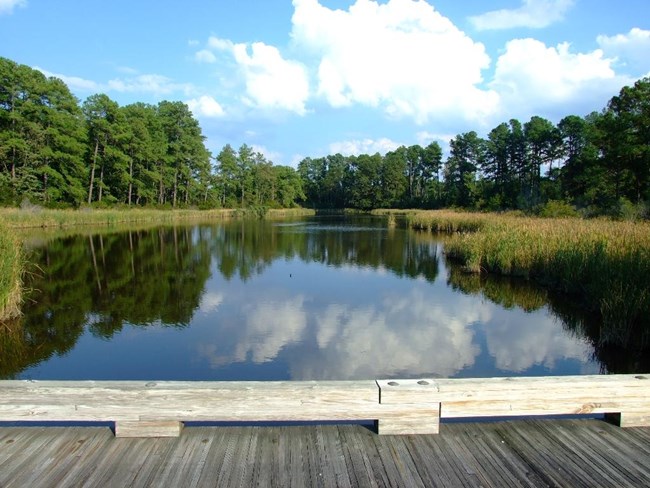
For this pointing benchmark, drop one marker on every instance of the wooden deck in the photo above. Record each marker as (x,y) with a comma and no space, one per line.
(516,453)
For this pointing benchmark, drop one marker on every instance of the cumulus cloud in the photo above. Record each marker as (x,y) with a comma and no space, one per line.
(205,56)
(403,57)
(73,82)
(205,106)
(271,81)
(533,14)
(363,146)
(154,84)
(531,76)
(631,49)
(7,6)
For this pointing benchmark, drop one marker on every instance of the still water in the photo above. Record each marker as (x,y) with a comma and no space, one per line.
(318,298)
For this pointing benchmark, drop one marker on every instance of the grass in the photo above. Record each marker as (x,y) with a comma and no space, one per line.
(37,217)
(11,270)
(603,263)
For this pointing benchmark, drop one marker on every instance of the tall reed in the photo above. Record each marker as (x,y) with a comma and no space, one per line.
(605,264)
(38,217)
(11,268)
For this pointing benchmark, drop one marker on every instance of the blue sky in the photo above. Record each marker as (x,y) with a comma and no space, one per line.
(314,77)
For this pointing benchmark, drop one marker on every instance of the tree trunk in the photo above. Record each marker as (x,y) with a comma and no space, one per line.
(175,189)
(130,180)
(160,186)
(101,182)
(92,172)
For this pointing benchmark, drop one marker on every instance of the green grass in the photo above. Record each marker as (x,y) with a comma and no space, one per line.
(603,263)
(11,269)
(37,217)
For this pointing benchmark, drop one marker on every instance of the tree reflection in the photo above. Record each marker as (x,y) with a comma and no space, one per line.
(101,282)
(618,347)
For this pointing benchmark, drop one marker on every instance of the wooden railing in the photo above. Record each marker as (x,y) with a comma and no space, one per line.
(159,408)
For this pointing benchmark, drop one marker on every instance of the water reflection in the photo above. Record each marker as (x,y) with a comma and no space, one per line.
(314,299)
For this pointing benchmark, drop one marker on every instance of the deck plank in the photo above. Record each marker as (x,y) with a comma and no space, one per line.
(514,453)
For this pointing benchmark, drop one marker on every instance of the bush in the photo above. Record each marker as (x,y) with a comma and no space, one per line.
(557,209)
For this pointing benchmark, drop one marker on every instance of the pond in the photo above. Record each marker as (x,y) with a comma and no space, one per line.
(312,299)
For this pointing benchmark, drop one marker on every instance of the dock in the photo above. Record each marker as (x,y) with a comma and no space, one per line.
(566,453)
(394,432)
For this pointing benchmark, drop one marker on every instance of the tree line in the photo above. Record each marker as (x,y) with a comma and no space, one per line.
(56,151)
(599,163)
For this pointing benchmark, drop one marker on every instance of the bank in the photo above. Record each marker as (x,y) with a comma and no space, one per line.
(12,260)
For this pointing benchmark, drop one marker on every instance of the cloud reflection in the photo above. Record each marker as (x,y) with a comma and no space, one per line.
(518,343)
(424,331)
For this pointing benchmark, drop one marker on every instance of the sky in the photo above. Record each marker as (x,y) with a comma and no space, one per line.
(308,78)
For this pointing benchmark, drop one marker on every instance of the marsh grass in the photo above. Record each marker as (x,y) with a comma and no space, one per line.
(11,269)
(604,264)
(25,218)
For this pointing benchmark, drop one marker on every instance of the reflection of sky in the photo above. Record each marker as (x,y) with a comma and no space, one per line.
(300,320)
(347,323)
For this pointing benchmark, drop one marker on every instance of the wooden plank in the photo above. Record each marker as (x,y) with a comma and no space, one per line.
(408,391)
(516,453)
(167,428)
(425,420)
(399,406)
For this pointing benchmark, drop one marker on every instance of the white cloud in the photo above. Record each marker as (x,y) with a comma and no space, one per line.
(205,56)
(73,82)
(402,56)
(363,146)
(272,156)
(631,49)
(154,84)
(533,14)
(7,6)
(205,106)
(531,77)
(271,81)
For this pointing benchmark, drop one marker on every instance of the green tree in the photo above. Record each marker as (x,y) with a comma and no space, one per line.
(627,121)
(106,129)
(186,176)
(466,156)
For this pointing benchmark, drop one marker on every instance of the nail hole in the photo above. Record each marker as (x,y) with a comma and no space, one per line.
(423,382)
(150,384)
(393,383)
(641,377)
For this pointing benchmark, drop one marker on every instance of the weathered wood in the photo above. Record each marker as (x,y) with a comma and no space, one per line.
(627,396)
(151,428)
(529,453)
(402,406)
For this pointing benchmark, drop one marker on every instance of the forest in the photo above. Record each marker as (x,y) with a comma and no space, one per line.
(56,151)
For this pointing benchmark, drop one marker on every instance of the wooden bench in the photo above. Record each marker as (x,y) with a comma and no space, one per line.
(159,408)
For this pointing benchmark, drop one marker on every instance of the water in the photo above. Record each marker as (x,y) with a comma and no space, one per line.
(319,298)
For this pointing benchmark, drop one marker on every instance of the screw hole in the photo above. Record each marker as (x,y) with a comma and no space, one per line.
(150,384)
(393,383)
(641,377)
(423,382)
